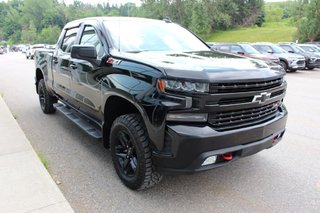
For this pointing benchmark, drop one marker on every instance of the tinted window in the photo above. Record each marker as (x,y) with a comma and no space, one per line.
(150,35)
(249,49)
(69,39)
(90,37)
(263,48)
(287,48)
(236,49)
(308,49)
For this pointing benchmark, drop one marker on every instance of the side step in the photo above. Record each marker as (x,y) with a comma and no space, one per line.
(83,124)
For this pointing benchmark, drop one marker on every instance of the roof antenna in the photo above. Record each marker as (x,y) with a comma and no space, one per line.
(167,20)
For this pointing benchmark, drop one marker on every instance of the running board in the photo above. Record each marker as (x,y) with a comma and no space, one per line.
(83,124)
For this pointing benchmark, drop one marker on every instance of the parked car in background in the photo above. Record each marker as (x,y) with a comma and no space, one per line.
(1,50)
(312,60)
(50,46)
(310,48)
(31,50)
(289,61)
(246,50)
(317,43)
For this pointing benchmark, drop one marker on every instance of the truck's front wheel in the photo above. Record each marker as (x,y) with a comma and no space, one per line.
(46,100)
(131,154)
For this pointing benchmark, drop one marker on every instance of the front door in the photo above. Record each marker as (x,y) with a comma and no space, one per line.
(85,86)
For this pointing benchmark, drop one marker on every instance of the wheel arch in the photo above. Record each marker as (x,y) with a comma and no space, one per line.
(117,105)
(38,77)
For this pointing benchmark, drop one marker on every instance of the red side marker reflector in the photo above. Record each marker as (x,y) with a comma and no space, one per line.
(227,156)
(110,60)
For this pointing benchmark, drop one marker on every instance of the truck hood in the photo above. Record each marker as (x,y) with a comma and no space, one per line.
(209,66)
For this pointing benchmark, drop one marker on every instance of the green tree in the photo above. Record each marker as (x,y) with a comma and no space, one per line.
(49,35)
(309,25)
(29,35)
(200,23)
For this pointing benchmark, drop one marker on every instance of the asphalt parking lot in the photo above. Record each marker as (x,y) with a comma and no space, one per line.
(285,178)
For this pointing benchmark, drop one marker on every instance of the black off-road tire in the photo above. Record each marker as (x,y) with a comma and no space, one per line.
(46,100)
(131,128)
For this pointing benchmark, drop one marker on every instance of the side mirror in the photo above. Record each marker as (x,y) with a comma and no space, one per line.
(240,53)
(83,52)
(290,51)
(270,52)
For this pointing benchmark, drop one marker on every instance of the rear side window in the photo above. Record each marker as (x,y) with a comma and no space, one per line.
(263,48)
(236,49)
(69,39)
(90,37)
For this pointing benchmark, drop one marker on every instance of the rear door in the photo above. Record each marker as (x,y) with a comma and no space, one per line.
(85,85)
(61,64)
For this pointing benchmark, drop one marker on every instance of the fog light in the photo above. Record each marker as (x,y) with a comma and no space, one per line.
(209,160)
(190,117)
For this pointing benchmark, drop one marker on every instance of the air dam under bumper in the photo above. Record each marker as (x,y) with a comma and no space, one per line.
(190,146)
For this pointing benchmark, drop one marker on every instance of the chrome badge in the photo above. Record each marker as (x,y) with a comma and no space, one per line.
(263,97)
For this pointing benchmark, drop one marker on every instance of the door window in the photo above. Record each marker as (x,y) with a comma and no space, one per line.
(90,37)
(69,39)
(287,48)
(236,49)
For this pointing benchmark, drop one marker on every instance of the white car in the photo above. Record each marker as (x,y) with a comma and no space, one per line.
(311,48)
(31,50)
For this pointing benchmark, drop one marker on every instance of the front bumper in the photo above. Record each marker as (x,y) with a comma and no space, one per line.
(314,64)
(187,147)
(297,64)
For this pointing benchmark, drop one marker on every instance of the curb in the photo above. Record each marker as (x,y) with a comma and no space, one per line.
(26,186)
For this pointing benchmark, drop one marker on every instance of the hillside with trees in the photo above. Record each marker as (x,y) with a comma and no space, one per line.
(40,21)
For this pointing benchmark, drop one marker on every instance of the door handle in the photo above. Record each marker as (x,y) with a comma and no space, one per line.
(73,66)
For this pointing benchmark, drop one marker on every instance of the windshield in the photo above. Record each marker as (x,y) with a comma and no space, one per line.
(317,49)
(145,35)
(298,49)
(249,49)
(277,49)
(308,48)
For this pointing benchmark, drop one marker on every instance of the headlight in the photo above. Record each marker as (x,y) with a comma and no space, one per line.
(186,86)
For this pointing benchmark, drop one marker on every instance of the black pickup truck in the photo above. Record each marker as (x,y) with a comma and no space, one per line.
(159,98)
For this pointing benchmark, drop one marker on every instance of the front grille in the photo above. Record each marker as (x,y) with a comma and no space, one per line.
(301,62)
(244,86)
(228,120)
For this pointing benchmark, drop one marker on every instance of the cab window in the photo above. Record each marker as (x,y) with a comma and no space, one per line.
(69,39)
(90,37)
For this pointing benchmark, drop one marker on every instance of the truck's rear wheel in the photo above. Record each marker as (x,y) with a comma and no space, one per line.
(46,100)
(131,154)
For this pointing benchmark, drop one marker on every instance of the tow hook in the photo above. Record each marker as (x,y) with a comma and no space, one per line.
(227,156)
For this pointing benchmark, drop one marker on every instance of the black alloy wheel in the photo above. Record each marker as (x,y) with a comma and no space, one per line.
(46,100)
(126,153)
(131,152)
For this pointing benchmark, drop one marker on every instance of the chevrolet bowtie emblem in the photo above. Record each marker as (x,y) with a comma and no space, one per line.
(263,97)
